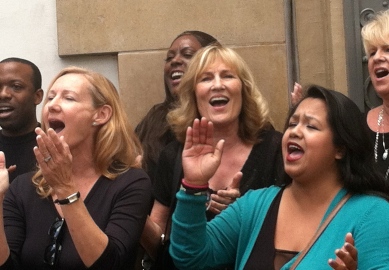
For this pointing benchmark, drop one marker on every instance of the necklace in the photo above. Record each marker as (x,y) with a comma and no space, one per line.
(385,154)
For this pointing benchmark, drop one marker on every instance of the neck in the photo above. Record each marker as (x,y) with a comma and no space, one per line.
(83,163)
(229,133)
(25,130)
(310,198)
(320,191)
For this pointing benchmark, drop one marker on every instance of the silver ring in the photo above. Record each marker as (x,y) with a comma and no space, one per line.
(47,159)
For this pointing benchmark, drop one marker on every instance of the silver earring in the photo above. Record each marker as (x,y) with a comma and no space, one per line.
(94,123)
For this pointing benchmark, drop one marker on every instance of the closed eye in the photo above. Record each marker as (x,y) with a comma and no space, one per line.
(292,124)
(312,127)
(205,78)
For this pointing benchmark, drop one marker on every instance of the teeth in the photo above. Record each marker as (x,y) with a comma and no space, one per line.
(177,75)
(293,147)
(381,72)
(219,99)
(5,109)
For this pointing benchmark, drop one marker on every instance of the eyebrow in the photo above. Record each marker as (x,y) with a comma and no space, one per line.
(295,116)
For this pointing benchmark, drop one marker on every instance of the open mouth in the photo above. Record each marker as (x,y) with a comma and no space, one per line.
(380,73)
(177,75)
(218,101)
(57,125)
(6,109)
(295,151)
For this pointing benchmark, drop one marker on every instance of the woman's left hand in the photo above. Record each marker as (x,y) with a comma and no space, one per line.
(4,179)
(54,159)
(346,257)
(225,197)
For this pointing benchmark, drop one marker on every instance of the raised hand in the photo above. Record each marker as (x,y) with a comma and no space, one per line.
(225,197)
(54,158)
(347,256)
(297,94)
(200,158)
(4,180)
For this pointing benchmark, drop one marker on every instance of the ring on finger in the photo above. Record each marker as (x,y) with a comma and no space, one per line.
(47,159)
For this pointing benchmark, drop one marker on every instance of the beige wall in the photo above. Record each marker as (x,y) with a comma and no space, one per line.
(321,44)
(141,31)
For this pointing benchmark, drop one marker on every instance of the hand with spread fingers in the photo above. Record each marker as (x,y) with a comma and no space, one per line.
(347,256)
(200,158)
(54,159)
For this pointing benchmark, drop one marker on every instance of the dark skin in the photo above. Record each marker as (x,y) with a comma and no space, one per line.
(178,57)
(18,100)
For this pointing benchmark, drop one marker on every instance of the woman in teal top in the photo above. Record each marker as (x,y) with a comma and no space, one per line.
(326,154)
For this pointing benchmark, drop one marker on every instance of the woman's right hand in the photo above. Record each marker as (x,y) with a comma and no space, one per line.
(200,158)
(4,179)
(347,256)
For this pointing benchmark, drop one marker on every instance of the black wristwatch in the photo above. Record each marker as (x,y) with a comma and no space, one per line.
(70,199)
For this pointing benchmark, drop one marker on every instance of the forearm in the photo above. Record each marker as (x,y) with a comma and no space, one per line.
(90,241)
(151,238)
(188,235)
(4,249)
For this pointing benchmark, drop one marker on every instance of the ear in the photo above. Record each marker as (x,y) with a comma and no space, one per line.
(38,96)
(103,114)
(341,151)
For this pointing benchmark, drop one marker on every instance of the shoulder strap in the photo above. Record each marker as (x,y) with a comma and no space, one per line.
(321,229)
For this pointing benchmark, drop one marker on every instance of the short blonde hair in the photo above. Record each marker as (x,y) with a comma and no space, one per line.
(254,115)
(376,31)
(116,145)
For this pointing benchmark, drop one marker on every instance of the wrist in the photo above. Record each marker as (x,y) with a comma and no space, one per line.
(69,199)
(187,185)
(196,190)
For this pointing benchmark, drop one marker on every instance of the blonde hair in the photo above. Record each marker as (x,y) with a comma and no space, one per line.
(116,145)
(254,115)
(376,31)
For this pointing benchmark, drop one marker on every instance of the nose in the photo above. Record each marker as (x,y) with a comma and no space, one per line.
(379,56)
(53,105)
(295,131)
(217,83)
(5,93)
(177,59)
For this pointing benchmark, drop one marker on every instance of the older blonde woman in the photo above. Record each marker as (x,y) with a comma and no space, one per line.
(87,204)
(218,85)
(375,37)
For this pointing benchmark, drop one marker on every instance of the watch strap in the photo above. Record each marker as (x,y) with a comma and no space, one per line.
(70,199)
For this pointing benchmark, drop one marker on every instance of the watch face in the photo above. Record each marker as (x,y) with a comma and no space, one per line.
(74,197)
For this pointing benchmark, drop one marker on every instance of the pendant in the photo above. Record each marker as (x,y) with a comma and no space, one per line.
(385,154)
